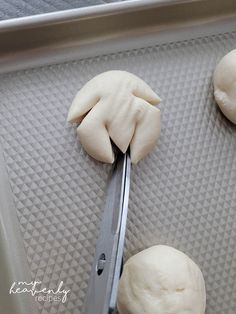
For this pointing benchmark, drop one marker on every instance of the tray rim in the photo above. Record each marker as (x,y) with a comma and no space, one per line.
(89,12)
(87,32)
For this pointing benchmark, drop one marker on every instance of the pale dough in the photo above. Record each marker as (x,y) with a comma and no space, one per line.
(225,85)
(116,105)
(161,280)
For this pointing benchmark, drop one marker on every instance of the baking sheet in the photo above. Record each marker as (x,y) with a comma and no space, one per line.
(183,194)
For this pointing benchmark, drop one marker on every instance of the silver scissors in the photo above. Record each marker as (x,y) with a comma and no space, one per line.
(108,261)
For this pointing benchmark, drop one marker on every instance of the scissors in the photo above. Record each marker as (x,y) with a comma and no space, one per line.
(108,261)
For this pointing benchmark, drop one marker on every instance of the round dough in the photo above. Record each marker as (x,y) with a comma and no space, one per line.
(161,280)
(224,81)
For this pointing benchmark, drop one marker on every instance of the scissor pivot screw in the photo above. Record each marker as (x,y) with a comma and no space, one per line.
(101,264)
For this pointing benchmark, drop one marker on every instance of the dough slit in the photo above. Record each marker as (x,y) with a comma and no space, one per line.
(81,105)
(146,133)
(127,129)
(95,139)
(145,92)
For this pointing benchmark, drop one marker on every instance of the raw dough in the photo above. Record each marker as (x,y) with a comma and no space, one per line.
(225,85)
(161,280)
(116,105)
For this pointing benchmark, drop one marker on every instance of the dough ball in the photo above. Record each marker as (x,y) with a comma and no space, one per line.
(161,280)
(224,81)
(117,106)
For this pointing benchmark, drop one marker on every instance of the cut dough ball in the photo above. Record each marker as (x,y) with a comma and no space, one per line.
(161,280)
(224,80)
(117,106)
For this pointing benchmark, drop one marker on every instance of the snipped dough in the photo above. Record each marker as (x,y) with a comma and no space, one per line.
(116,105)
(161,280)
(224,80)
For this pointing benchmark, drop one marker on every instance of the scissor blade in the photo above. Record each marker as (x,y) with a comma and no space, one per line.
(101,284)
(122,228)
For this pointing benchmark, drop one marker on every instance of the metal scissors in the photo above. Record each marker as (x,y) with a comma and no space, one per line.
(108,261)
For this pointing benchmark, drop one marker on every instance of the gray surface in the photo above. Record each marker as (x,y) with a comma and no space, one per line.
(18,8)
(183,194)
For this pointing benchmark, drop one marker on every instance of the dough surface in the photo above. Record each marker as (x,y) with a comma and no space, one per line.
(224,81)
(161,280)
(117,106)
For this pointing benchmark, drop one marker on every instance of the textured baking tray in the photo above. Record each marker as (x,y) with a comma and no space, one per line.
(183,194)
